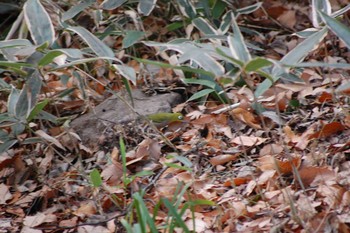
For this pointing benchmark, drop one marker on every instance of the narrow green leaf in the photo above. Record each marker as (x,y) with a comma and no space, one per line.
(127,226)
(74,10)
(341,30)
(38,22)
(185,161)
(132,37)
(12,101)
(174,165)
(237,45)
(5,146)
(145,7)
(127,72)
(16,65)
(112,4)
(96,45)
(49,57)
(187,8)
(177,217)
(203,82)
(144,214)
(37,109)
(249,9)
(218,9)
(256,64)
(204,26)
(15,43)
(95,178)
(200,94)
(293,57)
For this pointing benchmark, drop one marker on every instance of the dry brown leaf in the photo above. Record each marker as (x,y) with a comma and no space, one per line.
(50,139)
(112,174)
(268,162)
(248,141)
(328,130)
(236,181)
(325,97)
(69,222)
(271,149)
(38,219)
(86,209)
(222,159)
(5,194)
(309,174)
(246,117)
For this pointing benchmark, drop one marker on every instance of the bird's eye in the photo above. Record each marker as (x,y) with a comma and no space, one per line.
(180,117)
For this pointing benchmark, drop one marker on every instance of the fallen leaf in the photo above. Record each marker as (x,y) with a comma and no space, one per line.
(246,117)
(38,219)
(309,174)
(268,162)
(236,181)
(221,159)
(248,141)
(5,194)
(327,130)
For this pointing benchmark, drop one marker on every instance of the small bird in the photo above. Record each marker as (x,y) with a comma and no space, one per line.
(163,119)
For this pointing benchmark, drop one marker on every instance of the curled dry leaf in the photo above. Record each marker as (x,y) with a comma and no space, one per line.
(222,159)
(50,139)
(237,181)
(268,162)
(246,117)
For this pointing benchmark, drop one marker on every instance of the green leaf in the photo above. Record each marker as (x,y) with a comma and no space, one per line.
(112,4)
(185,161)
(292,58)
(131,38)
(49,57)
(5,146)
(174,26)
(187,8)
(203,82)
(218,9)
(37,109)
(17,65)
(226,22)
(15,43)
(145,7)
(127,226)
(96,45)
(237,45)
(74,10)
(127,72)
(200,94)
(174,165)
(144,215)
(341,30)
(204,26)
(95,178)
(249,9)
(38,22)
(256,64)
(177,217)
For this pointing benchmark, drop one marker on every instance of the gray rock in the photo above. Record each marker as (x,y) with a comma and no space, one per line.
(90,127)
